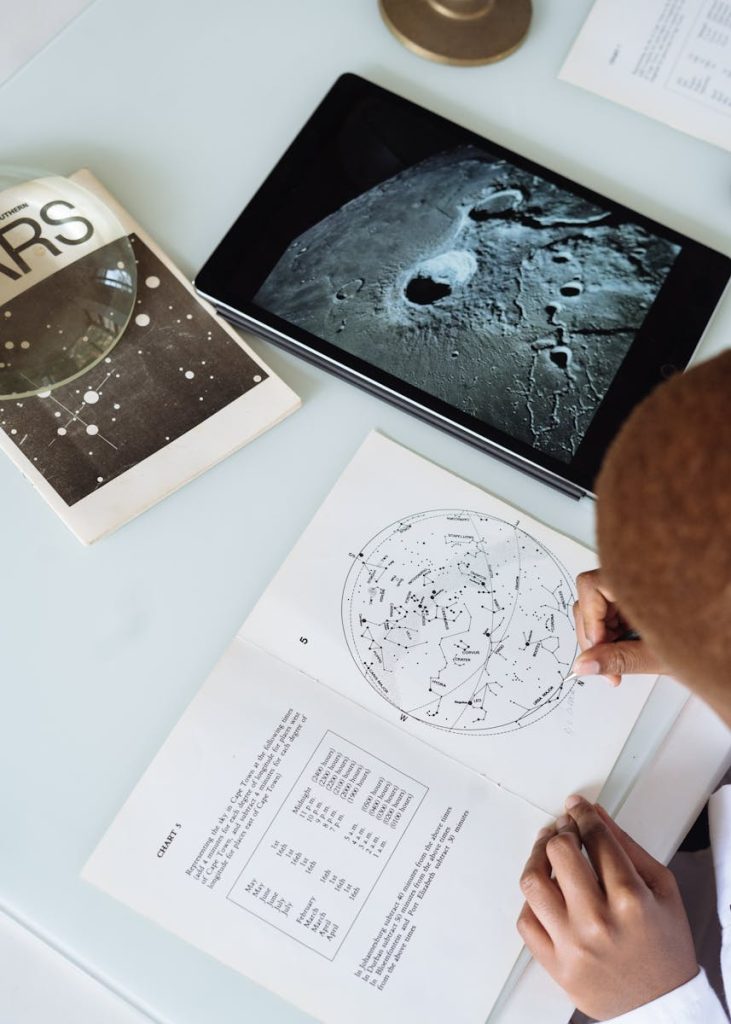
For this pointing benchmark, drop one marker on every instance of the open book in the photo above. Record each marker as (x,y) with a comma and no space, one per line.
(344,810)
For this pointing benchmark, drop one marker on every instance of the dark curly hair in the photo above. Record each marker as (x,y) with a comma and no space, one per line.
(664,525)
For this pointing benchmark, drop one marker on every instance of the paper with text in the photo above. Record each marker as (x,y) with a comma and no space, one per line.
(669,59)
(449,612)
(319,850)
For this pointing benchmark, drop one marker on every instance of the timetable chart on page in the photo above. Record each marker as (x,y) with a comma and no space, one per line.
(329,843)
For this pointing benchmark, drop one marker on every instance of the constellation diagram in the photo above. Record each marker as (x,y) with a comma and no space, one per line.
(173,368)
(461,621)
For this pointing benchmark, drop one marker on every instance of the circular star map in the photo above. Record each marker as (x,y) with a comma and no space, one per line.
(461,621)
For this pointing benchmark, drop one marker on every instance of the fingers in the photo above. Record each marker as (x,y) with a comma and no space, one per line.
(586,666)
(611,861)
(598,621)
(573,874)
(540,890)
(594,606)
(580,631)
(618,659)
(651,871)
(534,935)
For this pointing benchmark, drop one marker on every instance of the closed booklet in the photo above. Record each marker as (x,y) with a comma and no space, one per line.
(179,392)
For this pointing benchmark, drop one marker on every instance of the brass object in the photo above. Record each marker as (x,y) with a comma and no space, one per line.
(465,32)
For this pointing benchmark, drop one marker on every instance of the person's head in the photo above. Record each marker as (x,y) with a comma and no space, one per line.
(664,526)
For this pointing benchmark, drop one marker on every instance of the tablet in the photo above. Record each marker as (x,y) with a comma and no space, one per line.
(465,283)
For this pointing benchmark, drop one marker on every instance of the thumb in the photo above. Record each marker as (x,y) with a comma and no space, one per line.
(617,659)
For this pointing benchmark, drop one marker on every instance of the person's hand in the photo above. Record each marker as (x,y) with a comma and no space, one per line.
(611,930)
(599,624)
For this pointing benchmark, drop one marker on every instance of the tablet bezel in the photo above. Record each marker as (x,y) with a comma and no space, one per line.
(664,344)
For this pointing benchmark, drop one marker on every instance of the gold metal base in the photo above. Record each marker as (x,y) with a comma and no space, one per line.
(464,32)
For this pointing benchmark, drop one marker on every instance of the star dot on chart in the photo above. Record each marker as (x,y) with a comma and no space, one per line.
(257,379)
(189,374)
(25,344)
(44,394)
(61,431)
(9,344)
(92,429)
(100,479)
(8,313)
(116,405)
(142,320)
(91,397)
(120,264)
(152,281)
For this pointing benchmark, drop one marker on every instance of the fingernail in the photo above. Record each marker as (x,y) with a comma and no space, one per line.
(586,668)
(573,801)
(562,821)
(542,833)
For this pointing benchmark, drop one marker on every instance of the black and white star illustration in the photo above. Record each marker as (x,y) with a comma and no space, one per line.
(173,368)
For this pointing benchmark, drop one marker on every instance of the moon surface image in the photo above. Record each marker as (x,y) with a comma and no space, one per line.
(481,284)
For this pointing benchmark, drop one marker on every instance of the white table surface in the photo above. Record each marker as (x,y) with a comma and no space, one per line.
(181,108)
(40,985)
(28,26)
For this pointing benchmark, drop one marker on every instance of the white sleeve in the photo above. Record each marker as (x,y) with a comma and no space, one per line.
(719,819)
(692,1003)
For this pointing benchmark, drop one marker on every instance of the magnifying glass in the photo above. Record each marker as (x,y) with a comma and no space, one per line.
(68,281)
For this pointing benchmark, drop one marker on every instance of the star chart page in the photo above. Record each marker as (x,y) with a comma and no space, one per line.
(449,612)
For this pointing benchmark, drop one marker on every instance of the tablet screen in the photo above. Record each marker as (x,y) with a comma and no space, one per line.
(484,285)
(464,282)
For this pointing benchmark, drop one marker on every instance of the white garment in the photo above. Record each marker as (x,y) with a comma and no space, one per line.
(696,1002)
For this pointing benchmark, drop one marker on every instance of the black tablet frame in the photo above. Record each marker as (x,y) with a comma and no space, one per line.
(665,343)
